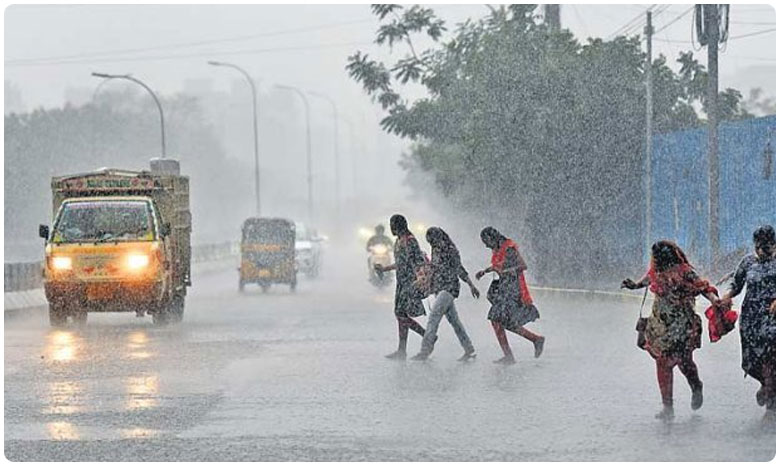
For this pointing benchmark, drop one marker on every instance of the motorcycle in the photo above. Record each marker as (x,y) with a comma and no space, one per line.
(379,254)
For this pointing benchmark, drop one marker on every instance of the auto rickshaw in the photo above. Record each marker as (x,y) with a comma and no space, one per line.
(267,253)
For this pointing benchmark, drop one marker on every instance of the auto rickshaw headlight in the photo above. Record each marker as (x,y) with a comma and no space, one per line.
(61,263)
(137,262)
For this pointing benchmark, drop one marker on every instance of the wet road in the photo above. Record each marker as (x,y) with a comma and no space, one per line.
(278,376)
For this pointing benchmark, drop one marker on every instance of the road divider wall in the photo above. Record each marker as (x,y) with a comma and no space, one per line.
(23,282)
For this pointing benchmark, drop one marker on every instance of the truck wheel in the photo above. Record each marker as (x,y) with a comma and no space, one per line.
(57,315)
(160,317)
(80,318)
(160,313)
(176,309)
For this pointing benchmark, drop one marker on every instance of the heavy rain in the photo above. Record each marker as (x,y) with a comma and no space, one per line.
(445,232)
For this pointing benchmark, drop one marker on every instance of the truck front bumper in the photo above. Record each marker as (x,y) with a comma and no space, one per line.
(114,296)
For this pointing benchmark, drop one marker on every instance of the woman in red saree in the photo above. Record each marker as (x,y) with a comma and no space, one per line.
(674,329)
(511,304)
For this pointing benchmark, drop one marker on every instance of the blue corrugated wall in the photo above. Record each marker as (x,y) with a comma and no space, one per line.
(747,185)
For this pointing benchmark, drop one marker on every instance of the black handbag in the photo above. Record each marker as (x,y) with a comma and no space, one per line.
(641,325)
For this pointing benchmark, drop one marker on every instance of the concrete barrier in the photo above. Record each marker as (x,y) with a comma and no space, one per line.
(23,282)
(589,293)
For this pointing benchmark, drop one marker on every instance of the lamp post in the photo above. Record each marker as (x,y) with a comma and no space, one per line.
(337,168)
(154,96)
(100,86)
(310,199)
(254,126)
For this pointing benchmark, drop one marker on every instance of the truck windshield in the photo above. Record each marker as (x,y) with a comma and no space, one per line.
(104,221)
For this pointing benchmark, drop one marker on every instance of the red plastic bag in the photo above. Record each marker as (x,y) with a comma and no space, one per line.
(720,322)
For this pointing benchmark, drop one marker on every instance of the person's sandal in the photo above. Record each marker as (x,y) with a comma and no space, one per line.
(538,347)
(506,360)
(398,355)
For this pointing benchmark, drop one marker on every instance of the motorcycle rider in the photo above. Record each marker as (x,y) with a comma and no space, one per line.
(379,238)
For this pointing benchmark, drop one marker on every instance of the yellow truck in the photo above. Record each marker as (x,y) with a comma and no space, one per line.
(120,241)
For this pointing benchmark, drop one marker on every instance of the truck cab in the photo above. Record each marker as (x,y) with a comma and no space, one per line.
(119,242)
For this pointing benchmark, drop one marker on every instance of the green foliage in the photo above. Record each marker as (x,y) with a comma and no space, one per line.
(533,126)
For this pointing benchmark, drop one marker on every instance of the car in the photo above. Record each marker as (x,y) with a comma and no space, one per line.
(308,250)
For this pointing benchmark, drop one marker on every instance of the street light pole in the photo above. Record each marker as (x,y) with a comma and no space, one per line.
(154,96)
(99,87)
(254,126)
(309,179)
(335,148)
(352,149)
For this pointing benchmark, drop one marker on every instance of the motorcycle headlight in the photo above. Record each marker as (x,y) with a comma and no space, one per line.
(61,263)
(137,262)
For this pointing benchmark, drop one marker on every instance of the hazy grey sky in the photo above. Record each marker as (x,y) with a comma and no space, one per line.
(301,45)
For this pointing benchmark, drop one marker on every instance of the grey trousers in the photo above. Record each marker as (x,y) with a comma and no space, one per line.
(444,305)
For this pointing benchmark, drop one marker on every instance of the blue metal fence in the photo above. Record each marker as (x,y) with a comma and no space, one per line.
(747,186)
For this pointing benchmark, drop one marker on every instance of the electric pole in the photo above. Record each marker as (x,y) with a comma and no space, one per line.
(552,16)
(710,22)
(649,134)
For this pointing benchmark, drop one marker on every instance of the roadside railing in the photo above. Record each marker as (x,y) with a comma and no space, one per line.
(29,275)
(22,276)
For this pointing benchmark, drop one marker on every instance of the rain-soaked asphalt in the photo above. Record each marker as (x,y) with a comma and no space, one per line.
(302,376)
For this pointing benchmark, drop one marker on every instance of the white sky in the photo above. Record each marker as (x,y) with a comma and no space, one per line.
(37,31)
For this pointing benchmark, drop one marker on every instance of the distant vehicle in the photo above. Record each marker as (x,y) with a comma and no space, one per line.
(268,253)
(308,250)
(379,254)
(120,241)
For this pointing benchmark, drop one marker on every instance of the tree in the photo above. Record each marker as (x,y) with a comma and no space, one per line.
(539,132)
(120,130)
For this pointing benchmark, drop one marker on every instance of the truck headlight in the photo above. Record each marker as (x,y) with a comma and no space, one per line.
(61,263)
(137,261)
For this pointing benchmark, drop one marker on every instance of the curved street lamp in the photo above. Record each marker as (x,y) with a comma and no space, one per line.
(100,86)
(335,147)
(154,96)
(254,120)
(302,95)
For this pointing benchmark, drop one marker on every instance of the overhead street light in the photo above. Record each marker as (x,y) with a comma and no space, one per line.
(154,96)
(310,199)
(335,147)
(254,126)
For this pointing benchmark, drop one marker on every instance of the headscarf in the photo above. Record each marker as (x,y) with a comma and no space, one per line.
(670,272)
(440,241)
(398,225)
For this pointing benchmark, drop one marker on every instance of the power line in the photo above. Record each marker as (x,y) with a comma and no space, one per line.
(756,59)
(753,34)
(636,27)
(757,23)
(187,44)
(630,23)
(677,18)
(680,41)
(579,19)
(673,41)
(191,55)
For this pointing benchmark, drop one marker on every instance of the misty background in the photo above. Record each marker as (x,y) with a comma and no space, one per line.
(60,120)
